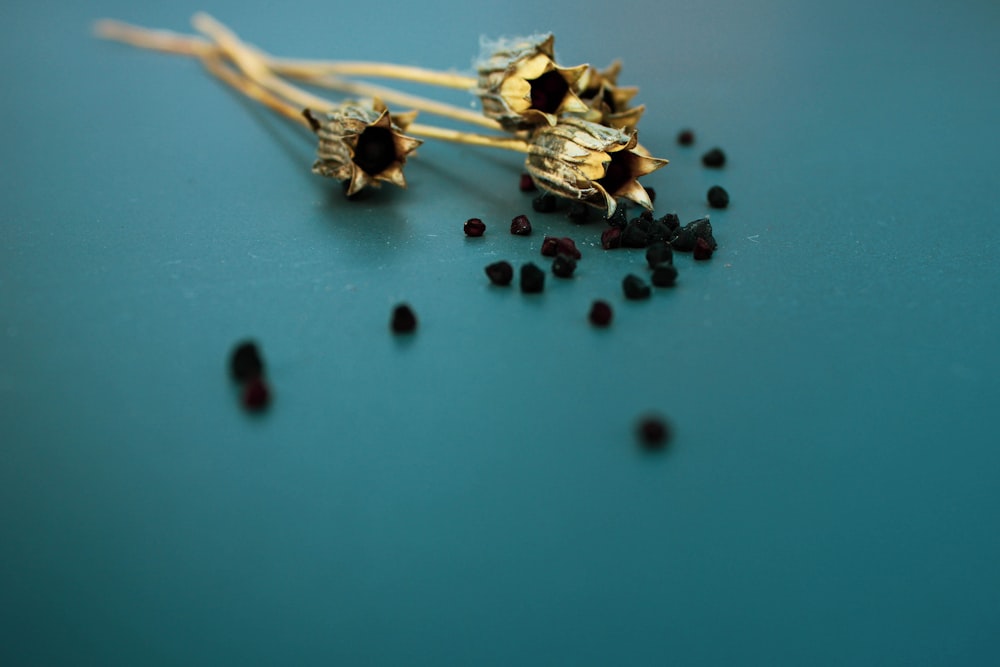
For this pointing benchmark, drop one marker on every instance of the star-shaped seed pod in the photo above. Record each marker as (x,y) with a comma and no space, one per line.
(589,162)
(363,146)
(520,85)
(607,101)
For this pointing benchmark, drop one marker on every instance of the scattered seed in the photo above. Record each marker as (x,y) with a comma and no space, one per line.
(532,278)
(527,184)
(500,273)
(600,313)
(404,320)
(578,212)
(670,221)
(474,227)
(618,218)
(635,287)
(664,275)
(550,246)
(718,197)
(684,238)
(653,432)
(658,253)
(245,362)
(567,246)
(611,238)
(563,266)
(714,158)
(702,249)
(256,394)
(544,203)
(520,226)
(635,234)
(685,137)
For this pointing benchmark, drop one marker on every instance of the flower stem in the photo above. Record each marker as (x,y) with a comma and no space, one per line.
(214,64)
(308,69)
(446,134)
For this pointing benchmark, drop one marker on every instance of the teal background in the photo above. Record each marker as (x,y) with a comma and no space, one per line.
(475,495)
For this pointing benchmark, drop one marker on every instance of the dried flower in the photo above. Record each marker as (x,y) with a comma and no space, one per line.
(593,163)
(363,146)
(607,101)
(520,85)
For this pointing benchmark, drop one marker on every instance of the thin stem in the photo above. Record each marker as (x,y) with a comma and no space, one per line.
(249,88)
(307,69)
(445,134)
(154,40)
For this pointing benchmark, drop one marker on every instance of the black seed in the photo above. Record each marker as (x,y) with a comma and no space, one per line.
(682,240)
(618,218)
(474,227)
(685,137)
(404,320)
(659,252)
(636,234)
(527,184)
(500,273)
(635,287)
(520,226)
(578,212)
(714,158)
(532,278)
(245,362)
(670,221)
(653,432)
(600,313)
(702,229)
(544,203)
(563,266)
(548,91)
(702,249)
(664,275)
(718,197)
(376,150)
(611,238)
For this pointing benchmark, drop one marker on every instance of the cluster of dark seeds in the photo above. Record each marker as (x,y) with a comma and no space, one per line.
(247,368)
(403,320)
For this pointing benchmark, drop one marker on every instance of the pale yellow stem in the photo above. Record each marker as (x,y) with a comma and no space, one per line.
(255,92)
(445,134)
(307,69)
(155,40)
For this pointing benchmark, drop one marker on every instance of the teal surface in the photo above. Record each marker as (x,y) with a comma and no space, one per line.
(475,495)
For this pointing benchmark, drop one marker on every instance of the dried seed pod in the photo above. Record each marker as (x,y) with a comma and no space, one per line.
(607,101)
(581,160)
(520,85)
(362,146)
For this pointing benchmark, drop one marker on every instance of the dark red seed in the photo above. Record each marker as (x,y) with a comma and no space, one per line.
(563,266)
(714,158)
(500,273)
(532,279)
(404,320)
(685,137)
(474,227)
(658,253)
(600,313)
(635,288)
(550,246)
(527,184)
(567,246)
(256,395)
(718,197)
(611,238)
(520,226)
(702,249)
(653,432)
(544,203)
(664,275)
(245,362)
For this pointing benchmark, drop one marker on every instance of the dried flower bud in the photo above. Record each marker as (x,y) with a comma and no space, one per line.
(361,145)
(607,101)
(590,162)
(520,85)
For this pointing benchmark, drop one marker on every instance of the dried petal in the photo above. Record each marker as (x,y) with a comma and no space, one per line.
(607,101)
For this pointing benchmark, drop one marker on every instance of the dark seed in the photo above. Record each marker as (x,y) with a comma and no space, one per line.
(404,320)
(611,238)
(578,212)
(670,221)
(702,229)
(652,194)
(664,275)
(520,226)
(500,273)
(550,246)
(527,183)
(600,313)
(635,287)
(245,363)
(702,249)
(567,246)
(256,395)
(653,432)
(682,240)
(474,227)
(635,235)
(658,253)
(563,266)
(714,158)
(544,203)
(718,197)
(532,278)
(685,137)
(618,218)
